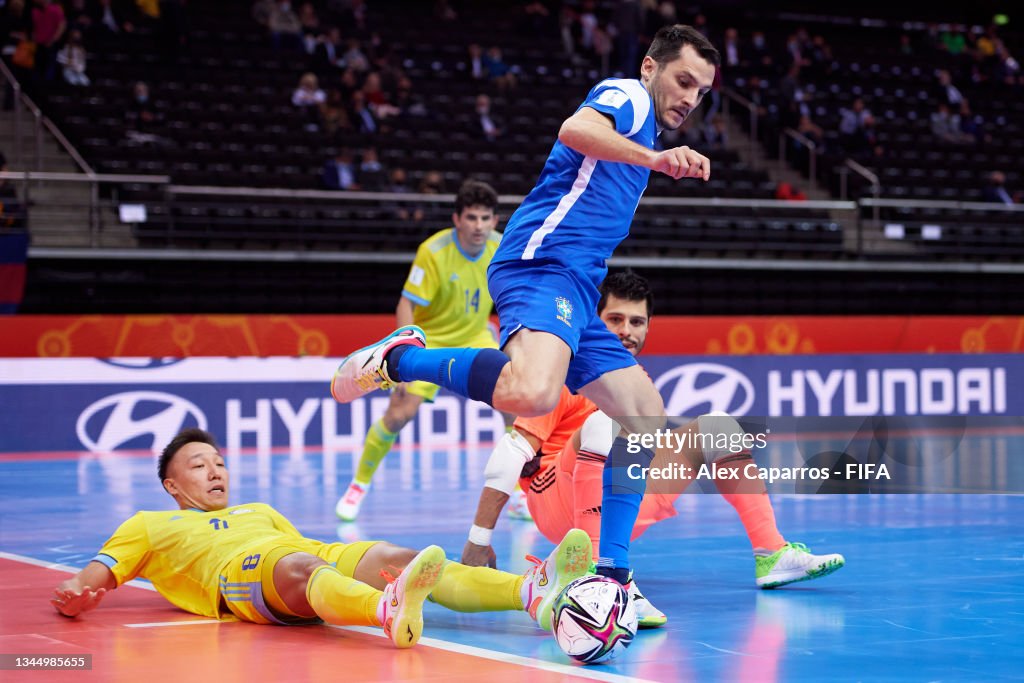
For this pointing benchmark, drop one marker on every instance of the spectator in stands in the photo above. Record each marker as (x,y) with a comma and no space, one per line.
(537,16)
(308,92)
(996,191)
(731,48)
(354,57)
(15,40)
(397,183)
(488,126)
(361,116)
(475,68)
(812,131)
(856,127)
(333,116)
(72,58)
(327,55)
(791,193)
(110,20)
(48,26)
(945,91)
(407,103)
(972,125)
(377,99)
(339,172)
(628,19)
(500,73)
(142,118)
(285,27)
(432,183)
(12,213)
(77,16)
(310,23)
(759,49)
(371,175)
(715,135)
(945,126)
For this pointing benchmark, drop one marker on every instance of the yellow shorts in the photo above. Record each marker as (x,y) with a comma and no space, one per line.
(427,391)
(247,585)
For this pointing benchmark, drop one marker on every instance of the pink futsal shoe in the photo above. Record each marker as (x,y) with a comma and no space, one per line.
(366,370)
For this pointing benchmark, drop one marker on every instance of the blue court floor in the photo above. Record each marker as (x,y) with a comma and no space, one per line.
(933,589)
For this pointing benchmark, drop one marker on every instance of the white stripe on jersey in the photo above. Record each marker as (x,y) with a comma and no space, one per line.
(566,203)
(638,97)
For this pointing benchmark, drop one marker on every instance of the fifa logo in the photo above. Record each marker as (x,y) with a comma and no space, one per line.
(564,309)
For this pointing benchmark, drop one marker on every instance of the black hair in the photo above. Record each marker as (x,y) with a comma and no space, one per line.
(476,193)
(669,40)
(627,286)
(190,435)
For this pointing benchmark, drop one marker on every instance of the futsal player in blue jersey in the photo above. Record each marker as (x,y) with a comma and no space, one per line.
(545,276)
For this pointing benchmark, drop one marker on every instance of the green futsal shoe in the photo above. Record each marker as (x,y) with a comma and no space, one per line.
(791,563)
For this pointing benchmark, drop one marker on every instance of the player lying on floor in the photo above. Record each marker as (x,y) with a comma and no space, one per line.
(249,562)
(559,460)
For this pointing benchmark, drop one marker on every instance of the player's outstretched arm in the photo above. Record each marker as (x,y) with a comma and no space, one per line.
(83,591)
(592,133)
(514,450)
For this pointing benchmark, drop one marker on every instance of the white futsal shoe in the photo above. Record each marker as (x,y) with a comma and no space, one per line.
(791,563)
(348,505)
(647,615)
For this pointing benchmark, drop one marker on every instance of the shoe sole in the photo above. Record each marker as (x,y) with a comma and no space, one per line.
(394,334)
(794,577)
(420,576)
(651,622)
(573,556)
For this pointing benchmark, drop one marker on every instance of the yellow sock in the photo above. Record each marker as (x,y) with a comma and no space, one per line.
(377,445)
(477,589)
(340,600)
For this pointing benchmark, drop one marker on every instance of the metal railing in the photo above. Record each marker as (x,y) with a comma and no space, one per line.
(800,139)
(876,188)
(731,95)
(62,215)
(39,123)
(365,226)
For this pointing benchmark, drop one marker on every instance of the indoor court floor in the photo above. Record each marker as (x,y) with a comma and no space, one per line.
(933,589)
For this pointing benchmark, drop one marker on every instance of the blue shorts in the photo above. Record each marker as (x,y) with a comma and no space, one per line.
(546,297)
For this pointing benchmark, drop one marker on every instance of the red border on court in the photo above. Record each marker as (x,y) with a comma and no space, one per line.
(235,651)
(182,336)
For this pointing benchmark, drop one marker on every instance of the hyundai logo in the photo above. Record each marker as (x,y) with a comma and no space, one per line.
(135,414)
(141,363)
(702,388)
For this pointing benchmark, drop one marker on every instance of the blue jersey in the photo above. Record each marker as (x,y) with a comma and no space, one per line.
(581,208)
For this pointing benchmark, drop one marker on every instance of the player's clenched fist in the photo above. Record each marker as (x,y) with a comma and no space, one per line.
(682,162)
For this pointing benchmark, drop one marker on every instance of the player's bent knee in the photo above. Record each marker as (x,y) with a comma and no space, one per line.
(382,556)
(537,400)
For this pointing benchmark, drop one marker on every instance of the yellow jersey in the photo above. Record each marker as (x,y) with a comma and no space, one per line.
(449,289)
(185,552)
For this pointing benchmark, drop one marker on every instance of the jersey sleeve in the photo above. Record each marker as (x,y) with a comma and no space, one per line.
(281,522)
(126,552)
(422,283)
(625,102)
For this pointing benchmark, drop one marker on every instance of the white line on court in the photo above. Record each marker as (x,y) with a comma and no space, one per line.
(564,669)
(159,624)
(458,648)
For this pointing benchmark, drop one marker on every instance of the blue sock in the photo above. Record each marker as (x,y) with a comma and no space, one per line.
(468,372)
(620,506)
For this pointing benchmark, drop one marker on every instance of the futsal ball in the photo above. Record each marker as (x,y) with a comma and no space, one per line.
(593,620)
